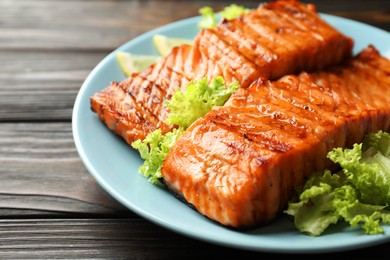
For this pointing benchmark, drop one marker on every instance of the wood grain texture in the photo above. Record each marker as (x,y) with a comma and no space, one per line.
(88,25)
(104,25)
(50,206)
(42,85)
(41,170)
(114,239)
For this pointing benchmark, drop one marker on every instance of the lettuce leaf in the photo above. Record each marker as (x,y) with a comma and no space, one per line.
(154,149)
(198,99)
(359,194)
(233,11)
(209,18)
(185,107)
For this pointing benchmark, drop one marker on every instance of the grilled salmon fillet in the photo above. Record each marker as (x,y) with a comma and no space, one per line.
(273,40)
(240,163)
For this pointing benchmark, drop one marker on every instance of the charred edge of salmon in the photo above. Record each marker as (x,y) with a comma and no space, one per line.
(210,151)
(181,199)
(143,94)
(122,115)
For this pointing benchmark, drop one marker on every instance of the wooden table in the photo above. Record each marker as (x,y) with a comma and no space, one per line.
(50,206)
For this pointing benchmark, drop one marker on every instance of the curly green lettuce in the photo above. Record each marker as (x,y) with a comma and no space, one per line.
(209,17)
(198,99)
(185,107)
(154,149)
(359,194)
(233,11)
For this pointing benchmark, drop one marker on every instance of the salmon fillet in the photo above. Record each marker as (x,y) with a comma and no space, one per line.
(273,40)
(240,163)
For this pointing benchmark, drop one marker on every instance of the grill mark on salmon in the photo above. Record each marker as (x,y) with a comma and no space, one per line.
(182,55)
(149,95)
(242,178)
(235,34)
(221,52)
(243,121)
(153,72)
(116,109)
(235,66)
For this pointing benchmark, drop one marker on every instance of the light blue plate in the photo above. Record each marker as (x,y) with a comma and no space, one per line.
(115,165)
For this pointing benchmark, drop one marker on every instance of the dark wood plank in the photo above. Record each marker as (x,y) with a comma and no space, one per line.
(117,238)
(41,170)
(95,238)
(86,25)
(104,25)
(42,85)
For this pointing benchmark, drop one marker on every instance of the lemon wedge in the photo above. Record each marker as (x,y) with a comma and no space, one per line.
(165,44)
(131,63)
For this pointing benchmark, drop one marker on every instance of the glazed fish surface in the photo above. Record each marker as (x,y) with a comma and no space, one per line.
(240,164)
(275,39)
